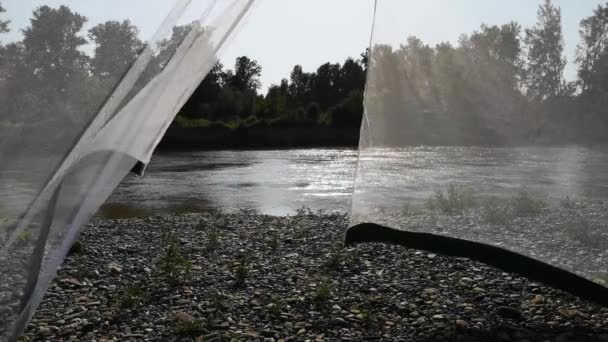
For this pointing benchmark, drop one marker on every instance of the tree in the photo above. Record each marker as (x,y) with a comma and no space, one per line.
(246,76)
(118,46)
(203,102)
(592,51)
(52,47)
(545,62)
(3,23)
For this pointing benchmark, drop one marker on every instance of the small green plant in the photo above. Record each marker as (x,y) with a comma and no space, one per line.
(241,271)
(323,292)
(370,319)
(276,306)
(132,296)
(273,241)
(213,238)
(524,204)
(455,199)
(192,329)
(336,257)
(585,232)
(568,203)
(494,212)
(173,267)
(23,237)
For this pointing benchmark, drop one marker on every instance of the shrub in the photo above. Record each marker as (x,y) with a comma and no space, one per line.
(335,258)
(323,291)
(132,296)
(455,199)
(568,203)
(273,241)
(191,329)
(524,204)
(494,212)
(213,238)
(23,237)
(174,268)
(585,232)
(241,271)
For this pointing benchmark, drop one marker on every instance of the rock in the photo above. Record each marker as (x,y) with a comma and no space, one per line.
(183,317)
(538,299)
(44,331)
(430,291)
(461,324)
(114,268)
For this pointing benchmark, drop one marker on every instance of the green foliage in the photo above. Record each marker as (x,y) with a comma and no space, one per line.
(524,204)
(336,258)
(132,296)
(24,237)
(567,203)
(240,269)
(173,266)
(587,233)
(192,329)
(213,238)
(455,199)
(273,241)
(276,306)
(495,212)
(323,290)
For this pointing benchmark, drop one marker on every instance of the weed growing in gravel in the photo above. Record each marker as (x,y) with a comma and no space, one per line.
(336,258)
(585,232)
(173,267)
(494,212)
(132,296)
(213,238)
(23,238)
(276,306)
(323,291)
(567,203)
(524,204)
(304,211)
(455,199)
(241,271)
(369,319)
(273,241)
(191,329)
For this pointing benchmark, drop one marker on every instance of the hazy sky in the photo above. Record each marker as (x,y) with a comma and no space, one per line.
(282,33)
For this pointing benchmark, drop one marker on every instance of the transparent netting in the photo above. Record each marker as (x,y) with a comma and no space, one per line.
(85,96)
(487,121)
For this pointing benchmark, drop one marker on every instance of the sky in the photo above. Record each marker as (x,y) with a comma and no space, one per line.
(282,33)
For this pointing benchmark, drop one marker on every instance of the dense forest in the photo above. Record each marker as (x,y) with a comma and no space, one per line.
(499,84)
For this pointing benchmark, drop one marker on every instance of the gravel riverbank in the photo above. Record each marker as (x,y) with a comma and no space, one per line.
(222,277)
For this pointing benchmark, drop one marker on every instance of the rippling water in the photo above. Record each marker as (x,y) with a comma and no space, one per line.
(272,182)
(278,182)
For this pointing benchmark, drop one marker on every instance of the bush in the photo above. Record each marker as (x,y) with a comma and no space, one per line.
(191,329)
(456,199)
(524,204)
(132,296)
(241,271)
(585,232)
(173,267)
(323,291)
(494,212)
(213,238)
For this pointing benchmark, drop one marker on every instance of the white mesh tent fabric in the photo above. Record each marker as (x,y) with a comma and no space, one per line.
(485,117)
(69,135)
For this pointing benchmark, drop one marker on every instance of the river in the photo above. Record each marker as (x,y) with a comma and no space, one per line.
(278,182)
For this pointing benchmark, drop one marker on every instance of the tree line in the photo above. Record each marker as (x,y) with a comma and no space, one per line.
(499,83)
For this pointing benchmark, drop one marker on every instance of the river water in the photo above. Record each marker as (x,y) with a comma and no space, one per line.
(278,182)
